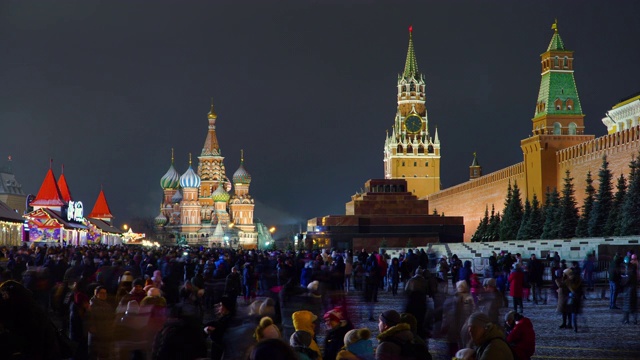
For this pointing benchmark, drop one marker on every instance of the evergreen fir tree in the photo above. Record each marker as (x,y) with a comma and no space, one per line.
(481,231)
(615,216)
(568,209)
(493,230)
(603,202)
(590,193)
(525,226)
(512,215)
(536,221)
(551,227)
(630,222)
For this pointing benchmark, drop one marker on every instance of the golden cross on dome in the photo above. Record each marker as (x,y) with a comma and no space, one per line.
(554,26)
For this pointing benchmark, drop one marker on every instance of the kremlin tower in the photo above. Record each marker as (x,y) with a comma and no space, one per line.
(198,208)
(410,152)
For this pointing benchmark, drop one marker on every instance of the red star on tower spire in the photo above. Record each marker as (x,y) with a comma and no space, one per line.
(410,28)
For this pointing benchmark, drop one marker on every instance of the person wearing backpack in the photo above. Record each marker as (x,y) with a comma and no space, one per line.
(396,340)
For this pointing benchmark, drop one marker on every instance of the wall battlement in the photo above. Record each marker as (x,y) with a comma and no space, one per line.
(515,172)
(598,147)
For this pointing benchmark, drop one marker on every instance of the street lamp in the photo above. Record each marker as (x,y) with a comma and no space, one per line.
(272,229)
(125,227)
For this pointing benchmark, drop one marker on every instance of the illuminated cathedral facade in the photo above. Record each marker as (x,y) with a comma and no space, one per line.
(198,207)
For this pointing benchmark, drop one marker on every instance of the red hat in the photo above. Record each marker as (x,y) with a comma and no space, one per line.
(334,314)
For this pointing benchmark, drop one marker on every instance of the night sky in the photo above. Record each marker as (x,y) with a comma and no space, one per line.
(306,88)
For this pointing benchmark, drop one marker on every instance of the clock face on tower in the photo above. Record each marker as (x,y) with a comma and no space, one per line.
(413,123)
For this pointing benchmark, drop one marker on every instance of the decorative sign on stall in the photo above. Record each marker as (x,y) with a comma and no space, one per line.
(75,211)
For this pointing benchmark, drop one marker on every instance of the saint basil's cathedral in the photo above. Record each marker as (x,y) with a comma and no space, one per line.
(198,208)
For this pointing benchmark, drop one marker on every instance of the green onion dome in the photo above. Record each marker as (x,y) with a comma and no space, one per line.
(220,194)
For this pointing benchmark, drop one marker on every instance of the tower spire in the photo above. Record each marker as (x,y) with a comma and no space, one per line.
(411,64)
(212,114)
(172,156)
(189,159)
(241,156)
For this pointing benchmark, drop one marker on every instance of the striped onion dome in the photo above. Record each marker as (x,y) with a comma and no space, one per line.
(177,197)
(220,194)
(190,179)
(161,219)
(241,176)
(171,179)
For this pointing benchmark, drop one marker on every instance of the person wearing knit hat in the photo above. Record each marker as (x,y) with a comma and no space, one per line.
(266,330)
(337,326)
(357,345)
(488,337)
(393,335)
(305,320)
(301,341)
(455,312)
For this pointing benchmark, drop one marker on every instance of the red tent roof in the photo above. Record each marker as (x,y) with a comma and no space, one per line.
(49,194)
(101,208)
(64,188)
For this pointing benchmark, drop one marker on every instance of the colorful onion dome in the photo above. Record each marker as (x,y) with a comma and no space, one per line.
(190,179)
(241,176)
(177,197)
(161,220)
(220,194)
(171,179)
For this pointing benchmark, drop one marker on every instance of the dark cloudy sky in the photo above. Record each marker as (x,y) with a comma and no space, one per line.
(306,88)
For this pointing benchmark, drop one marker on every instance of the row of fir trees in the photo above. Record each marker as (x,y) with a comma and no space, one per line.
(603,213)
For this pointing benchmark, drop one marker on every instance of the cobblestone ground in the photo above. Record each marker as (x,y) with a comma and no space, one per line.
(601,334)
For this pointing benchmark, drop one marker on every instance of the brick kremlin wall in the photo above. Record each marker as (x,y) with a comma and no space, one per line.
(620,148)
(470,198)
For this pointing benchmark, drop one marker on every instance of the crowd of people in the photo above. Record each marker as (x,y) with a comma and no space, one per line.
(131,302)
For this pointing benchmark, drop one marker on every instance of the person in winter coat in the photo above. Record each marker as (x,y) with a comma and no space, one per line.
(521,337)
(181,337)
(490,301)
(516,280)
(576,294)
(305,320)
(393,335)
(300,342)
(101,316)
(416,290)
(266,329)
(488,338)
(357,345)
(465,272)
(27,330)
(337,327)
(456,311)
(629,293)
(216,329)
(563,295)
(393,274)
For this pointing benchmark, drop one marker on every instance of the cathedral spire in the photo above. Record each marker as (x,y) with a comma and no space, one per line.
(212,114)
(211,146)
(411,64)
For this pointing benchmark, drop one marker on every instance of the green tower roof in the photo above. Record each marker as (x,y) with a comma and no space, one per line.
(557,83)
(411,65)
(556,42)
